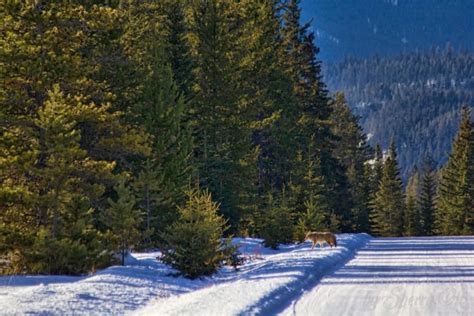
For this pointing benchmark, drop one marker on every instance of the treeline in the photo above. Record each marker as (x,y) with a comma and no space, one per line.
(414,97)
(172,124)
(436,202)
(129,124)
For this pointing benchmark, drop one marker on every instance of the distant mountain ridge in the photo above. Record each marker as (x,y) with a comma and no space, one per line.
(364,28)
(413,97)
(381,54)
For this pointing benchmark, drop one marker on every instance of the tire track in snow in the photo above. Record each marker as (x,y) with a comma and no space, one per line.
(398,276)
(279,299)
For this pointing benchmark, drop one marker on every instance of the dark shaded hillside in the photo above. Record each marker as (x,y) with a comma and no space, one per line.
(363,28)
(414,97)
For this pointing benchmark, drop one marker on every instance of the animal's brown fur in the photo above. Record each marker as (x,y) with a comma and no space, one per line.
(320,238)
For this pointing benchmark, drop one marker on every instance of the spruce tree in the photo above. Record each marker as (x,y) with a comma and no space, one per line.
(412,216)
(177,45)
(164,176)
(123,220)
(373,175)
(223,148)
(55,207)
(377,167)
(60,151)
(310,111)
(316,214)
(147,187)
(313,219)
(277,226)
(266,96)
(455,202)
(427,196)
(352,150)
(266,93)
(193,243)
(388,204)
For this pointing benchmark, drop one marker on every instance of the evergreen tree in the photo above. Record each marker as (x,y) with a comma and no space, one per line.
(147,188)
(165,174)
(26,79)
(55,207)
(177,45)
(267,96)
(455,202)
(370,189)
(310,112)
(266,93)
(223,149)
(60,153)
(313,219)
(316,213)
(412,216)
(377,167)
(277,225)
(194,244)
(352,150)
(123,220)
(388,204)
(427,196)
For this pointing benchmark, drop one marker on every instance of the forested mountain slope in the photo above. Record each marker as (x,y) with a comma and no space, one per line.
(414,97)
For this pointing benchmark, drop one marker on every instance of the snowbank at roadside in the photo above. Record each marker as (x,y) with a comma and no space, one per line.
(264,286)
(268,282)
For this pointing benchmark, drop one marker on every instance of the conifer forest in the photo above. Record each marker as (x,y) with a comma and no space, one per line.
(178,124)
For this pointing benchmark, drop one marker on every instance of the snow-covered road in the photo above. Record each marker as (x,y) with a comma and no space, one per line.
(362,276)
(398,276)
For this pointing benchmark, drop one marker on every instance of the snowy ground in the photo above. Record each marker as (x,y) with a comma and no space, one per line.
(263,285)
(362,276)
(398,276)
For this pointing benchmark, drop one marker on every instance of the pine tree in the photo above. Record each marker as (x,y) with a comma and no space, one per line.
(313,219)
(310,111)
(123,220)
(141,37)
(427,196)
(316,213)
(194,244)
(277,226)
(455,202)
(373,176)
(370,189)
(60,151)
(265,94)
(412,216)
(388,204)
(177,45)
(165,175)
(147,188)
(223,148)
(377,167)
(54,208)
(352,150)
